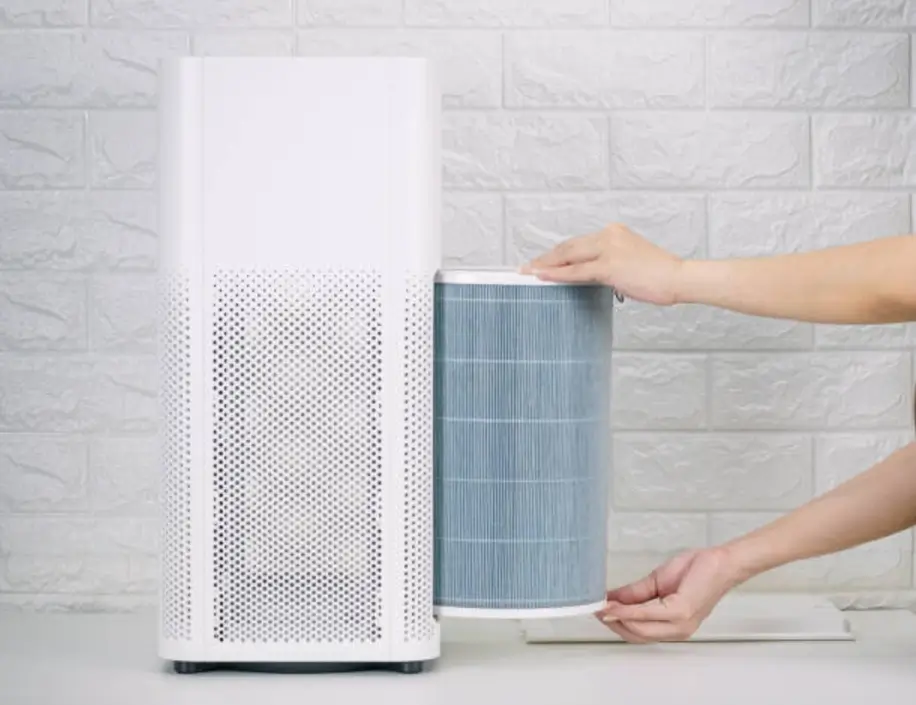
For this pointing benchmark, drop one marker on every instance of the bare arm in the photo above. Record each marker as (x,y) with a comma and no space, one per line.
(869,282)
(871,506)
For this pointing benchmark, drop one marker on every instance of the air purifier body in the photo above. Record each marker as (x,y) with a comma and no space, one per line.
(300,238)
(522,445)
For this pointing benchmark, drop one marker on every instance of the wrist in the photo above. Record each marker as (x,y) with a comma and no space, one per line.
(689,280)
(740,563)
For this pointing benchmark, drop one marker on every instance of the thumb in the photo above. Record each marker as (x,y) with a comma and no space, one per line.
(641,591)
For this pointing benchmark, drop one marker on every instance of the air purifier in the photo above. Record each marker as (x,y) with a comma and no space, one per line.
(521,445)
(299,243)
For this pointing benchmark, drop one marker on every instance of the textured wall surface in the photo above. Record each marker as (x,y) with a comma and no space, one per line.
(714,127)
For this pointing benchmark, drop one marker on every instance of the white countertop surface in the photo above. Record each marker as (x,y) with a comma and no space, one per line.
(72,659)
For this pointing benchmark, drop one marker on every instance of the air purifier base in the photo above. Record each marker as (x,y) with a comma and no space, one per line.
(193,667)
(189,667)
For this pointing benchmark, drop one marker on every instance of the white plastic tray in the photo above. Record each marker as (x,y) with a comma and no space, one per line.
(737,618)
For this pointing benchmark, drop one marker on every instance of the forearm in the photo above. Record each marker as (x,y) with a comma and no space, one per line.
(870,282)
(871,506)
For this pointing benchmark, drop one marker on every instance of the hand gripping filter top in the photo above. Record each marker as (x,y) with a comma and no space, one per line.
(522,445)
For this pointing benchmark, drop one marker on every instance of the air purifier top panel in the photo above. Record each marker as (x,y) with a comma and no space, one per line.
(317,162)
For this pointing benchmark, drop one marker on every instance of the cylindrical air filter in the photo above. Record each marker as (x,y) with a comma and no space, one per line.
(522,445)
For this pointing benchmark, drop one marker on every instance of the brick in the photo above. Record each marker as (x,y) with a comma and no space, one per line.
(469,63)
(881,564)
(122,68)
(123,149)
(244,43)
(47,66)
(353,13)
(658,391)
(655,532)
(124,475)
(865,150)
(808,70)
(535,224)
(79,574)
(122,314)
(709,13)
(78,535)
(829,390)
(41,312)
(77,394)
(506,13)
(500,150)
(472,230)
(99,69)
(43,474)
(41,149)
(64,603)
(711,150)
(892,336)
(753,225)
(708,472)
(78,231)
(43,13)
(170,14)
(864,13)
(645,327)
(841,456)
(604,70)
(62,554)
(85,70)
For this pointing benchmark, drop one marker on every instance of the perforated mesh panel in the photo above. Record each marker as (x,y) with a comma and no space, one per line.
(418,449)
(297,457)
(175,440)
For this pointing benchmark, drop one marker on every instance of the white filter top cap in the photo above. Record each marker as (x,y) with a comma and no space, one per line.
(506,276)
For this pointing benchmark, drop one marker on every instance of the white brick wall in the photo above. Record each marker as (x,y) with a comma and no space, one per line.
(715,127)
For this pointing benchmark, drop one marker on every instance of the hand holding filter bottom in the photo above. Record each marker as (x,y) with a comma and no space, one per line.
(522,445)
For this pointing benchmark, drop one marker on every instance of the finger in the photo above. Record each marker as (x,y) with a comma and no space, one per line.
(625,634)
(657,631)
(635,593)
(652,611)
(581,272)
(606,616)
(579,249)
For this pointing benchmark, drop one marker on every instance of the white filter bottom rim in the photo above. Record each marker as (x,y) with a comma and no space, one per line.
(536,613)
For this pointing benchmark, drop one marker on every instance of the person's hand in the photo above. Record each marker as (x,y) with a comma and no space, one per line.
(671,602)
(616,257)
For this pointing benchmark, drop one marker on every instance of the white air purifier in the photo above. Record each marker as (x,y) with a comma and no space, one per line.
(300,232)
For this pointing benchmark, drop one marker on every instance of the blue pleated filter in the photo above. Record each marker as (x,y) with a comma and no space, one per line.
(522,445)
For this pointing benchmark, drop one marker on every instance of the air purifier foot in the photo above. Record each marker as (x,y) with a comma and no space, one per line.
(189,667)
(409,667)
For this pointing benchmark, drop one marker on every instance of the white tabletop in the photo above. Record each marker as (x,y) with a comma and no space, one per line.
(59,659)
